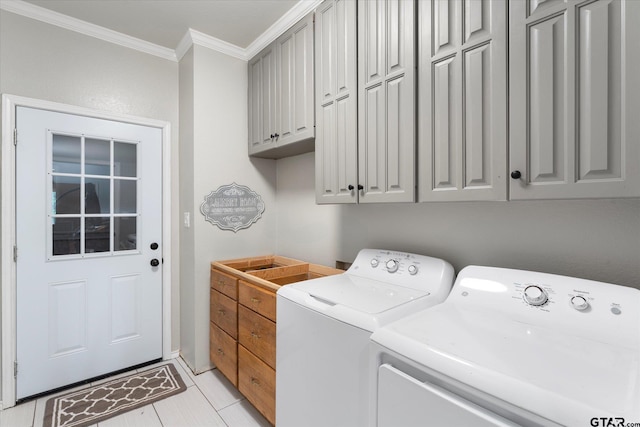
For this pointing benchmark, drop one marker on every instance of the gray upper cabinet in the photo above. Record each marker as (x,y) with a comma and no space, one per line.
(462,100)
(262,100)
(281,104)
(336,102)
(574,99)
(386,100)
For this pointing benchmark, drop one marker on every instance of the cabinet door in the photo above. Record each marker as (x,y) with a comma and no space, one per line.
(462,100)
(574,98)
(386,96)
(336,102)
(295,121)
(262,100)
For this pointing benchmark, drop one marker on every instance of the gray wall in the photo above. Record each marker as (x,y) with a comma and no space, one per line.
(592,239)
(214,153)
(46,62)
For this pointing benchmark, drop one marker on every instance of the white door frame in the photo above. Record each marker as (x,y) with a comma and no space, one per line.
(8,227)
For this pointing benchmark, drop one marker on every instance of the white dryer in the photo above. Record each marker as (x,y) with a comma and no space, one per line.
(324,326)
(512,347)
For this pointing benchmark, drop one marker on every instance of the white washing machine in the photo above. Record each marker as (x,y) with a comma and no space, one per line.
(512,347)
(323,332)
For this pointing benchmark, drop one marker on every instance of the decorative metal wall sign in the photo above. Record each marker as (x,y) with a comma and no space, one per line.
(232,207)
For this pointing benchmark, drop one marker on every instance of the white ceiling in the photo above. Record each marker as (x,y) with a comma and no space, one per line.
(165,22)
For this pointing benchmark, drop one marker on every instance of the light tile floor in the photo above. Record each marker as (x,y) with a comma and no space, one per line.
(210,400)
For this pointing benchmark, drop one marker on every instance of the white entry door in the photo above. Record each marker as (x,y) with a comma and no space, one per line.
(89,248)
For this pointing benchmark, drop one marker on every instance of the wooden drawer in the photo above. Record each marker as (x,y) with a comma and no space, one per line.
(224,313)
(257,382)
(257,299)
(258,334)
(224,283)
(223,351)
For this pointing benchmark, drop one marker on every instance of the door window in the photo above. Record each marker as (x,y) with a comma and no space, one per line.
(93,196)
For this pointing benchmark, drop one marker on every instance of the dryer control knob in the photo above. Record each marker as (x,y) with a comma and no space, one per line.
(374,263)
(392,265)
(413,270)
(579,303)
(535,295)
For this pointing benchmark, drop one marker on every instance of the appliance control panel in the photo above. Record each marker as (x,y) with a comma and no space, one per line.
(401,268)
(549,300)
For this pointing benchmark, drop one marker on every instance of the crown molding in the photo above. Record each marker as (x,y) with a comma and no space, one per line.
(54,18)
(192,37)
(296,13)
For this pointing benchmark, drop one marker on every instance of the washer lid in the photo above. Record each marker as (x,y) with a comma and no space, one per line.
(357,293)
(359,301)
(565,378)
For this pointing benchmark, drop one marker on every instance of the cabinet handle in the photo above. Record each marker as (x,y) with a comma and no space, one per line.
(255,300)
(350,187)
(516,174)
(255,382)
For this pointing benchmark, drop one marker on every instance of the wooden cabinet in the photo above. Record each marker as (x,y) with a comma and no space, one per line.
(243,321)
(260,300)
(574,98)
(224,313)
(462,84)
(336,154)
(258,335)
(223,328)
(224,283)
(281,82)
(223,351)
(257,382)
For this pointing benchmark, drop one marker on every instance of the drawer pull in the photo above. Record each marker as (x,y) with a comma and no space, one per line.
(255,300)
(222,312)
(255,382)
(255,335)
(220,352)
(221,282)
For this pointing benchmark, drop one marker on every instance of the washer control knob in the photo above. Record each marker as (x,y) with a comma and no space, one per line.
(535,295)
(374,263)
(392,265)
(579,303)
(413,270)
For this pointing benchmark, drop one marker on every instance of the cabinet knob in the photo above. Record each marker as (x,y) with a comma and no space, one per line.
(350,187)
(516,175)
(360,187)
(276,135)
(154,262)
(272,136)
